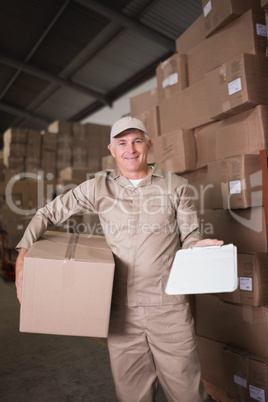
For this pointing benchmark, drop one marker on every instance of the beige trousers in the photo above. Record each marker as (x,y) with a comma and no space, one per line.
(155,344)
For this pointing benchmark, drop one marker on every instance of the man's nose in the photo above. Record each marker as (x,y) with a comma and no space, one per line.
(131,148)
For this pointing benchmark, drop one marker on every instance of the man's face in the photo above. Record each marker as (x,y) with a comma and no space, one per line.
(130,152)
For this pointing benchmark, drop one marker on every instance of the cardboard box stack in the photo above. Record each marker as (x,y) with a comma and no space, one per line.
(80,146)
(49,154)
(2,168)
(232,65)
(33,151)
(14,151)
(64,132)
(213,120)
(37,166)
(145,107)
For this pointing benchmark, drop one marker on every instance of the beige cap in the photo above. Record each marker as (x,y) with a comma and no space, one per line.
(124,124)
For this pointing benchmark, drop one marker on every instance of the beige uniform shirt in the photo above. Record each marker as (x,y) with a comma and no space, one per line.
(144,227)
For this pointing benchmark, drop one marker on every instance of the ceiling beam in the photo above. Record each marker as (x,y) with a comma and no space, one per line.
(25,115)
(129,23)
(138,79)
(10,61)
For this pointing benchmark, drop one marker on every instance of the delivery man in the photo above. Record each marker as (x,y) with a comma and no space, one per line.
(147,215)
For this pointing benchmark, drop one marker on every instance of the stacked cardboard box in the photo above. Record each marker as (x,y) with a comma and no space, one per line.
(14,151)
(218,14)
(249,33)
(80,146)
(41,165)
(2,168)
(97,145)
(225,104)
(33,151)
(237,85)
(248,375)
(145,107)
(65,142)
(264,4)
(49,154)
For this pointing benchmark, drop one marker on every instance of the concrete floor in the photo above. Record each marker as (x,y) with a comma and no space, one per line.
(47,368)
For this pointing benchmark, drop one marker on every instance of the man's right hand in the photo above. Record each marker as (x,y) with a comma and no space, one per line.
(19,271)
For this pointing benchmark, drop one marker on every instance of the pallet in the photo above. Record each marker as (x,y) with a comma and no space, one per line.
(217,394)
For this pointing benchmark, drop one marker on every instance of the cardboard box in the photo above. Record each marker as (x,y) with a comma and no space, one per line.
(80,134)
(80,157)
(67,286)
(30,193)
(63,127)
(211,355)
(266,19)
(32,165)
(192,36)
(205,139)
(246,375)
(233,136)
(15,135)
(49,141)
(236,324)
(98,140)
(200,186)
(245,228)
(253,280)
(176,151)
(144,101)
(237,85)
(218,14)
(236,182)
(15,150)
(16,163)
(172,75)
(187,109)
(249,31)
(151,120)
(14,146)
(77,175)
(49,163)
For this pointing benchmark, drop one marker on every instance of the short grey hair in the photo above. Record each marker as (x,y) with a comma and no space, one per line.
(131,130)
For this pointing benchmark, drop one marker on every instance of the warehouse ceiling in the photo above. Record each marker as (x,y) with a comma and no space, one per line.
(66,59)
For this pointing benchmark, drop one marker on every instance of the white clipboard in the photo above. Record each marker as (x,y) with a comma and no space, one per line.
(209,269)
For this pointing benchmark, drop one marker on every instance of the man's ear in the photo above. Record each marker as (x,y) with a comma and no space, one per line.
(111,149)
(149,144)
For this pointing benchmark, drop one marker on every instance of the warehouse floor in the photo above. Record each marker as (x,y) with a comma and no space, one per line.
(46,368)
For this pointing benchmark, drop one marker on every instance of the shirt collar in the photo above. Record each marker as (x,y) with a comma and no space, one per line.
(157,171)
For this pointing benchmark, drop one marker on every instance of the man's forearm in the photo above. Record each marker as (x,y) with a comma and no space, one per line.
(36,228)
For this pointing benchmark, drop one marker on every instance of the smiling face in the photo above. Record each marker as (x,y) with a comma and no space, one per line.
(130,151)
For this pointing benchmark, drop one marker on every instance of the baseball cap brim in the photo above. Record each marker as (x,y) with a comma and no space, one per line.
(126,123)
